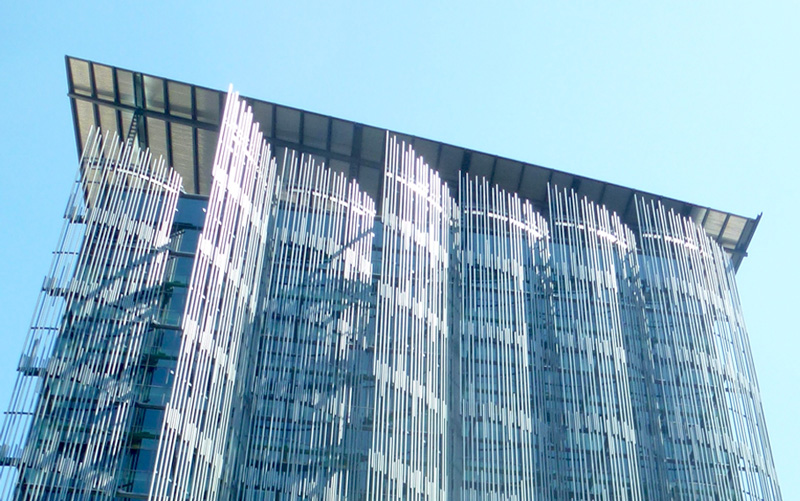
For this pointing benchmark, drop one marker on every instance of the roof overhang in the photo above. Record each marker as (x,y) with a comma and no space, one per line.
(181,122)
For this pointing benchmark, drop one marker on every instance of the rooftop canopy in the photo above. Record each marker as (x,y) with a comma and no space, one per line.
(181,121)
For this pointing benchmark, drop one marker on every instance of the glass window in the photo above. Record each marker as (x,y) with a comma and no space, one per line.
(179,270)
(191,212)
(184,240)
(173,302)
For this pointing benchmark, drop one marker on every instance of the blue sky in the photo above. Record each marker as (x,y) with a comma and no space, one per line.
(693,100)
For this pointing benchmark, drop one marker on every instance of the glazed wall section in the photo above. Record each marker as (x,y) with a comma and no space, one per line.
(597,448)
(410,450)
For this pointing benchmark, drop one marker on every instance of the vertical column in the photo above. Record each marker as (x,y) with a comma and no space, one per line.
(597,451)
(310,366)
(409,453)
(712,423)
(220,311)
(503,240)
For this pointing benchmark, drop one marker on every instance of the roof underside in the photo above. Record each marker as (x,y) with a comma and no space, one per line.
(181,122)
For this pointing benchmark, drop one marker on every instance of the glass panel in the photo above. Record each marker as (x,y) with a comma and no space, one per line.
(179,270)
(158,379)
(166,343)
(151,421)
(139,464)
(191,212)
(172,303)
(185,239)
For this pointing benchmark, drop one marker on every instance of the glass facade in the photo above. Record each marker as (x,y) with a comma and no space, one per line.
(351,323)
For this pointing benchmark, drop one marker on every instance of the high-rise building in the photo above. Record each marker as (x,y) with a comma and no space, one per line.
(288,305)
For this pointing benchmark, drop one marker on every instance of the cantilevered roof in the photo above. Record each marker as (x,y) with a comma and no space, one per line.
(181,121)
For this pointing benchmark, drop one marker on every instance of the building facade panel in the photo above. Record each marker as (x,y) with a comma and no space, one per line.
(503,239)
(83,355)
(411,320)
(597,455)
(409,451)
(712,426)
(220,311)
(309,371)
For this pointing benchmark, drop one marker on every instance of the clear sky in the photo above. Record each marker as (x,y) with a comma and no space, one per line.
(693,100)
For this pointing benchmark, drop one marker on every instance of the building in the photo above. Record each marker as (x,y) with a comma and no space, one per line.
(288,305)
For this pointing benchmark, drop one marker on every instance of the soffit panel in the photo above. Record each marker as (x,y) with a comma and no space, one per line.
(534,184)
(315,130)
(506,174)
(372,144)
(341,137)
